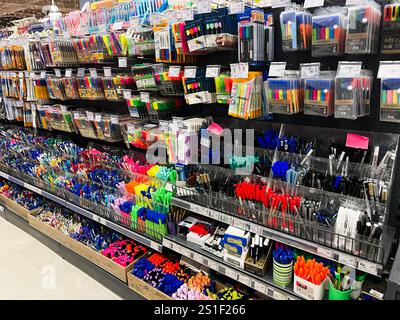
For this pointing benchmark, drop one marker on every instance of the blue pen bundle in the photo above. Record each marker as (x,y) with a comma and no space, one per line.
(283,257)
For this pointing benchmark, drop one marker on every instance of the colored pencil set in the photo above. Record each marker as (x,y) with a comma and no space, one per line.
(328,35)
(284,95)
(391,29)
(246,97)
(363,28)
(319,96)
(296,30)
(390,100)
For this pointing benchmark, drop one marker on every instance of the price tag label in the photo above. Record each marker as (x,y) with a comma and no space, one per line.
(118,25)
(114,119)
(310,70)
(43,74)
(90,115)
(244,70)
(235,73)
(174,71)
(154,18)
(187,14)
(280,3)
(155,246)
(93,72)
(102,28)
(244,279)
(145,97)
(63,109)
(107,72)
(323,252)
(349,70)
(122,62)
(236,7)
(127,94)
(81,72)
(166,243)
(58,73)
(68,73)
(212,264)
(203,6)
(368,267)
(231,273)
(215,215)
(190,72)
(97,118)
(352,2)
(226,219)
(277,69)
(279,296)
(213,71)
(260,287)
(347,260)
(37,36)
(171,16)
(313,3)
(389,70)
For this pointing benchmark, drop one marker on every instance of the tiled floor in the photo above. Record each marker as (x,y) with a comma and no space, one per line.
(30,270)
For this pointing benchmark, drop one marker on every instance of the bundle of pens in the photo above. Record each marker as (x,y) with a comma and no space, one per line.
(35,57)
(163,108)
(328,33)
(91,49)
(223,86)
(46,54)
(124,81)
(55,87)
(90,88)
(340,286)
(12,57)
(284,95)
(169,86)
(391,29)
(10,84)
(143,76)
(40,89)
(282,264)
(141,43)
(70,88)
(199,89)
(137,108)
(60,118)
(110,90)
(84,123)
(390,100)
(251,37)
(63,52)
(108,126)
(112,44)
(319,95)
(246,97)
(296,30)
(363,28)
(352,95)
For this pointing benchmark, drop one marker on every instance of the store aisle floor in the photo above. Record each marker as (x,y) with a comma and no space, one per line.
(30,270)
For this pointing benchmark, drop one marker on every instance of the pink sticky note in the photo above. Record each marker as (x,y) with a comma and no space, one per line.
(215,128)
(357,141)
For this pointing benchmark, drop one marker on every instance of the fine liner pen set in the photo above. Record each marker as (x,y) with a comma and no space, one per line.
(390,100)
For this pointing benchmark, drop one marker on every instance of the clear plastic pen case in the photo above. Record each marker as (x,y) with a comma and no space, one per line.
(390,100)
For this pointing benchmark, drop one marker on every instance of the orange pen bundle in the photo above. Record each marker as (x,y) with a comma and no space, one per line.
(310,270)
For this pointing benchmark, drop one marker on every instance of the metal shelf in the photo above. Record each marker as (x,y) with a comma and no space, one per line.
(322,251)
(129,233)
(263,285)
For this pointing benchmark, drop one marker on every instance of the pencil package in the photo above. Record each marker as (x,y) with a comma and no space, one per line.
(296,30)
(70,88)
(62,52)
(390,100)
(391,29)
(319,95)
(363,28)
(284,95)
(137,108)
(328,34)
(144,77)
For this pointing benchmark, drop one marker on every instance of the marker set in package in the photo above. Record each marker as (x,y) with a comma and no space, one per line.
(284,95)
(296,30)
(391,29)
(319,97)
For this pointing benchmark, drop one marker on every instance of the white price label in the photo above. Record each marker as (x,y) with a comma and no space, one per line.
(43,74)
(310,70)
(236,7)
(20,75)
(118,25)
(313,3)
(260,287)
(325,253)
(280,3)
(174,71)
(114,119)
(231,273)
(244,279)
(347,260)
(122,62)
(97,118)
(166,243)
(352,2)
(68,73)
(277,69)
(58,73)
(235,70)
(187,14)
(388,70)
(155,246)
(190,72)
(244,70)
(93,72)
(107,72)
(213,71)
(279,296)
(90,115)
(349,70)
(1,209)
(215,215)
(81,72)
(171,16)
(145,97)
(368,267)
(212,264)
(169,187)
(63,109)
(102,28)
(203,6)
(127,94)
(226,219)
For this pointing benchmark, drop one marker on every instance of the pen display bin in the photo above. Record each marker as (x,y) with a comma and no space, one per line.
(319,97)
(282,273)
(284,95)
(363,28)
(391,29)
(390,100)
(296,30)
(108,126)
(335,294)
(328,35)
(309,290)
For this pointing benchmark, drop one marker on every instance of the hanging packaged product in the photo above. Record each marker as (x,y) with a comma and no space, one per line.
(363,28)
(223,86)
(195,35)
(140,43)
(62,51)
(319,98)
(110,90)
(391,28)
(163,108)
(284,95)
(168,84)
(55,87)
(352,90)
(40,87)
(83,120)
(144,77)
(112,43)
(246,97)
(60,118)
(91,49)
(199,89)
(12,57)
(108,126)
(296,30)
(35,59)
(90,88)
(328,32)
(124,82)
(137,108)
(389,74)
